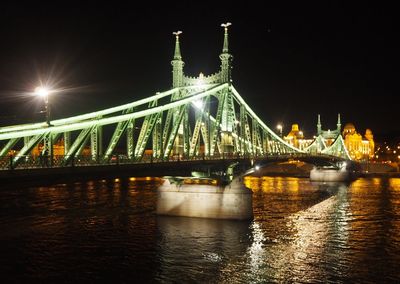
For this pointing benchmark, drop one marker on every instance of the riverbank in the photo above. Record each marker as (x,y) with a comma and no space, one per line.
(302,170)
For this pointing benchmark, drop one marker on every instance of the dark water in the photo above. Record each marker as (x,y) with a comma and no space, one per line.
(107,231)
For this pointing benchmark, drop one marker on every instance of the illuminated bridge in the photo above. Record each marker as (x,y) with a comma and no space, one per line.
(199,119)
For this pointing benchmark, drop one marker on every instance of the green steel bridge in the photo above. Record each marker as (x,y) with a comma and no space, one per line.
(200,118)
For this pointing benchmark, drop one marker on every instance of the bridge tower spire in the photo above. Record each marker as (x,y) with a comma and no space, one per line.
(177,63)
(319,126)
(338,125)
(226,57)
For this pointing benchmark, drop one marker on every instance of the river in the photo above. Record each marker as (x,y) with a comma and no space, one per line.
(107,231)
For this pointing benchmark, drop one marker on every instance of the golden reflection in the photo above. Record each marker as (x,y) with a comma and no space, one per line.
(395,183)
(363,185)
(275,184)
(145,179)
(376,181)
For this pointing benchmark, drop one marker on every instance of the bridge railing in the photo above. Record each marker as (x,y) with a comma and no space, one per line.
(58,161)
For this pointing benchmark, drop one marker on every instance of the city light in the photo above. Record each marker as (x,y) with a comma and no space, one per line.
(279,127)
(198,104)
(44,92)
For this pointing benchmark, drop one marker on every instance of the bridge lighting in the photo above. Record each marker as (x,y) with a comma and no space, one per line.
(198,104)
(41,91)
(279,127)
(257,168)
(44,92)
(200,81)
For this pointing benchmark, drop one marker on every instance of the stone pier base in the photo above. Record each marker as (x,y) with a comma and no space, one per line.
(233,201)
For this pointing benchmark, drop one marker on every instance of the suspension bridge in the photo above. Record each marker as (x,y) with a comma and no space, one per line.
(200,121)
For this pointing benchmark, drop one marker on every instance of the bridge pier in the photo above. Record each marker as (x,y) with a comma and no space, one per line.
(232,201)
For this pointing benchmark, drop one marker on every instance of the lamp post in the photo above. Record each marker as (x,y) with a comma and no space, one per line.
(279,127)
(44,93)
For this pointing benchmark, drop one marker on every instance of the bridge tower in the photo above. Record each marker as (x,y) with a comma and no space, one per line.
(178,81)
(319,126)
(228,119)
(338,125)
(177,63)
(226,57)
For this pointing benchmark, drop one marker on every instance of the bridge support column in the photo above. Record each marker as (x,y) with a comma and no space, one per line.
(227,146)
(48,149)
(179,143)
(233,201)
(130,146)
(96,142)
(67,142)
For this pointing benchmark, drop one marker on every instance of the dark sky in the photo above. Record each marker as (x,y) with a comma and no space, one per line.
(291,62)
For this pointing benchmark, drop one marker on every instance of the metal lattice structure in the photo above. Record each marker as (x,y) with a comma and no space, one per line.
(198,116)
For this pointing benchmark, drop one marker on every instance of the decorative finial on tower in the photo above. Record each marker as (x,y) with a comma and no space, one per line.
(177,54)
(177,63)
(225,48)
(226,58)
(338,125)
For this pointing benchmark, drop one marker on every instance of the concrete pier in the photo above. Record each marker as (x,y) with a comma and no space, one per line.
(233,201)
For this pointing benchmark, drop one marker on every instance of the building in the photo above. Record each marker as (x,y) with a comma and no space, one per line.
(356,146)
(359,147)
(296,138)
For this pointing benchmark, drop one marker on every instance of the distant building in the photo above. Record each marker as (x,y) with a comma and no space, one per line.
(356,146)
(359,148)
(58,149)
(296,138)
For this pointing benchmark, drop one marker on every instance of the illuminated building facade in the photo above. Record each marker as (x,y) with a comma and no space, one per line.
(296,138)
(359,148)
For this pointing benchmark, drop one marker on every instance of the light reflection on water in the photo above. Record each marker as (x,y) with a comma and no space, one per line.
(107,230)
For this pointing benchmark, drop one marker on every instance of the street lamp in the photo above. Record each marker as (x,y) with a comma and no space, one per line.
(44,93)
(279,127)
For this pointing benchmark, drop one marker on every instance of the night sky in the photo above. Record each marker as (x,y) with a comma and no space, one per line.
(291,62)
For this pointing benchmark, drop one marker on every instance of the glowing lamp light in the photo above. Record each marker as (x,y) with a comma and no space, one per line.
(198,104)
(200,80)
(42,91)
(257,168)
